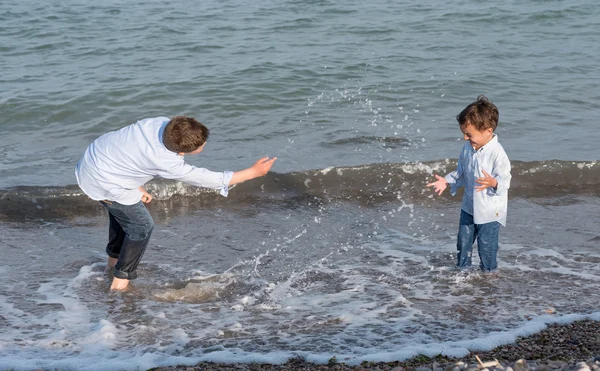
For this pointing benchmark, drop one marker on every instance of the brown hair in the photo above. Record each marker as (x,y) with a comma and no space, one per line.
(184,134)
(482,114)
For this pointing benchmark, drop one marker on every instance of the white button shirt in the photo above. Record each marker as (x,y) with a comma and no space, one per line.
(491,204)
(116,164)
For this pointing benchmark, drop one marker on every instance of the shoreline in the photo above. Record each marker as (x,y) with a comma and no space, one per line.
(572,346)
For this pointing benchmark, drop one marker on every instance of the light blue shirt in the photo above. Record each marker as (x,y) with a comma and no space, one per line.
(491,204)
(116,164)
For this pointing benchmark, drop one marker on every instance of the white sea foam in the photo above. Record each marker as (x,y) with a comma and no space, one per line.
(93,358)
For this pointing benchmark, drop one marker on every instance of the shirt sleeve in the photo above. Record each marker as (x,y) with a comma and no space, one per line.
(200,177)
(501,172)
(456,179)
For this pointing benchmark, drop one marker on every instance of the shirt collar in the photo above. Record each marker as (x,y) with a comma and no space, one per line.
(492,143)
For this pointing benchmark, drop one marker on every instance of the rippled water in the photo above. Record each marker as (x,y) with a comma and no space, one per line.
(293,79)
(340,251)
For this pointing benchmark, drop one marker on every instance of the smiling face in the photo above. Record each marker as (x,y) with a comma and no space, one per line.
(477,138)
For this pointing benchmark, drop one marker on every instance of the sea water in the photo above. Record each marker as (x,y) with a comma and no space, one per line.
(341,250)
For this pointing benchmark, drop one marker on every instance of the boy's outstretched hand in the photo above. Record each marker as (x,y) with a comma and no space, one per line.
(260,168)
(486,181)
(439,185)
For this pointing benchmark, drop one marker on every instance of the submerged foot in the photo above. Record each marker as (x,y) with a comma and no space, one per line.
(119,284)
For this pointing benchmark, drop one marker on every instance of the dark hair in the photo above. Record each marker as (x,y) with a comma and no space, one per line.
(184,134)
(482,114)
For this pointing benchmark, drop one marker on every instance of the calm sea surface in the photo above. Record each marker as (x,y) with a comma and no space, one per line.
(340,251)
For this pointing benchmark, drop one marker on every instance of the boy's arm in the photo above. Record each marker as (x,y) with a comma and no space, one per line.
(456,179)
(201,177)
(260,168)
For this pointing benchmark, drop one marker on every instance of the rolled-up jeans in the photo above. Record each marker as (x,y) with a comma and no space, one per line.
(130,227)
(487,242)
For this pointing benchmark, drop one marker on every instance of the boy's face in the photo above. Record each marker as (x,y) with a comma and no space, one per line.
(477,138)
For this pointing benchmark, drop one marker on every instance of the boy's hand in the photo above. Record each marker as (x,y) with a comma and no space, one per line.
(262,166)
(439,185)
(146,197)
(486,181)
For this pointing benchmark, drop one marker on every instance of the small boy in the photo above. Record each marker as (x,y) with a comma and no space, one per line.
(116,165)
(484,170)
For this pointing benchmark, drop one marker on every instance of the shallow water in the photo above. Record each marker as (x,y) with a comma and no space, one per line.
(356,278)
(340,251)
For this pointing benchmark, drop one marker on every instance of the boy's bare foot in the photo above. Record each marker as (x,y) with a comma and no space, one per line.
(119,284)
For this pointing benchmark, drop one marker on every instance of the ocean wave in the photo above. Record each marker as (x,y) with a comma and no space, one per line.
(369,184)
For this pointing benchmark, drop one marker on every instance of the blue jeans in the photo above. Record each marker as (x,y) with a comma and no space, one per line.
(487,242)
(130,227)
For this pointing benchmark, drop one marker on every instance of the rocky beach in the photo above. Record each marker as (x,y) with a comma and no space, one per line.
(570,347)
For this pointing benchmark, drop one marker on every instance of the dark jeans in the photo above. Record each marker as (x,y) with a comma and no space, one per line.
(487,242)
(128,235)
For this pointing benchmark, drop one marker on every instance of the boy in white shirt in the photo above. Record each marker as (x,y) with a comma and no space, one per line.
(484,170)
(115,167)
